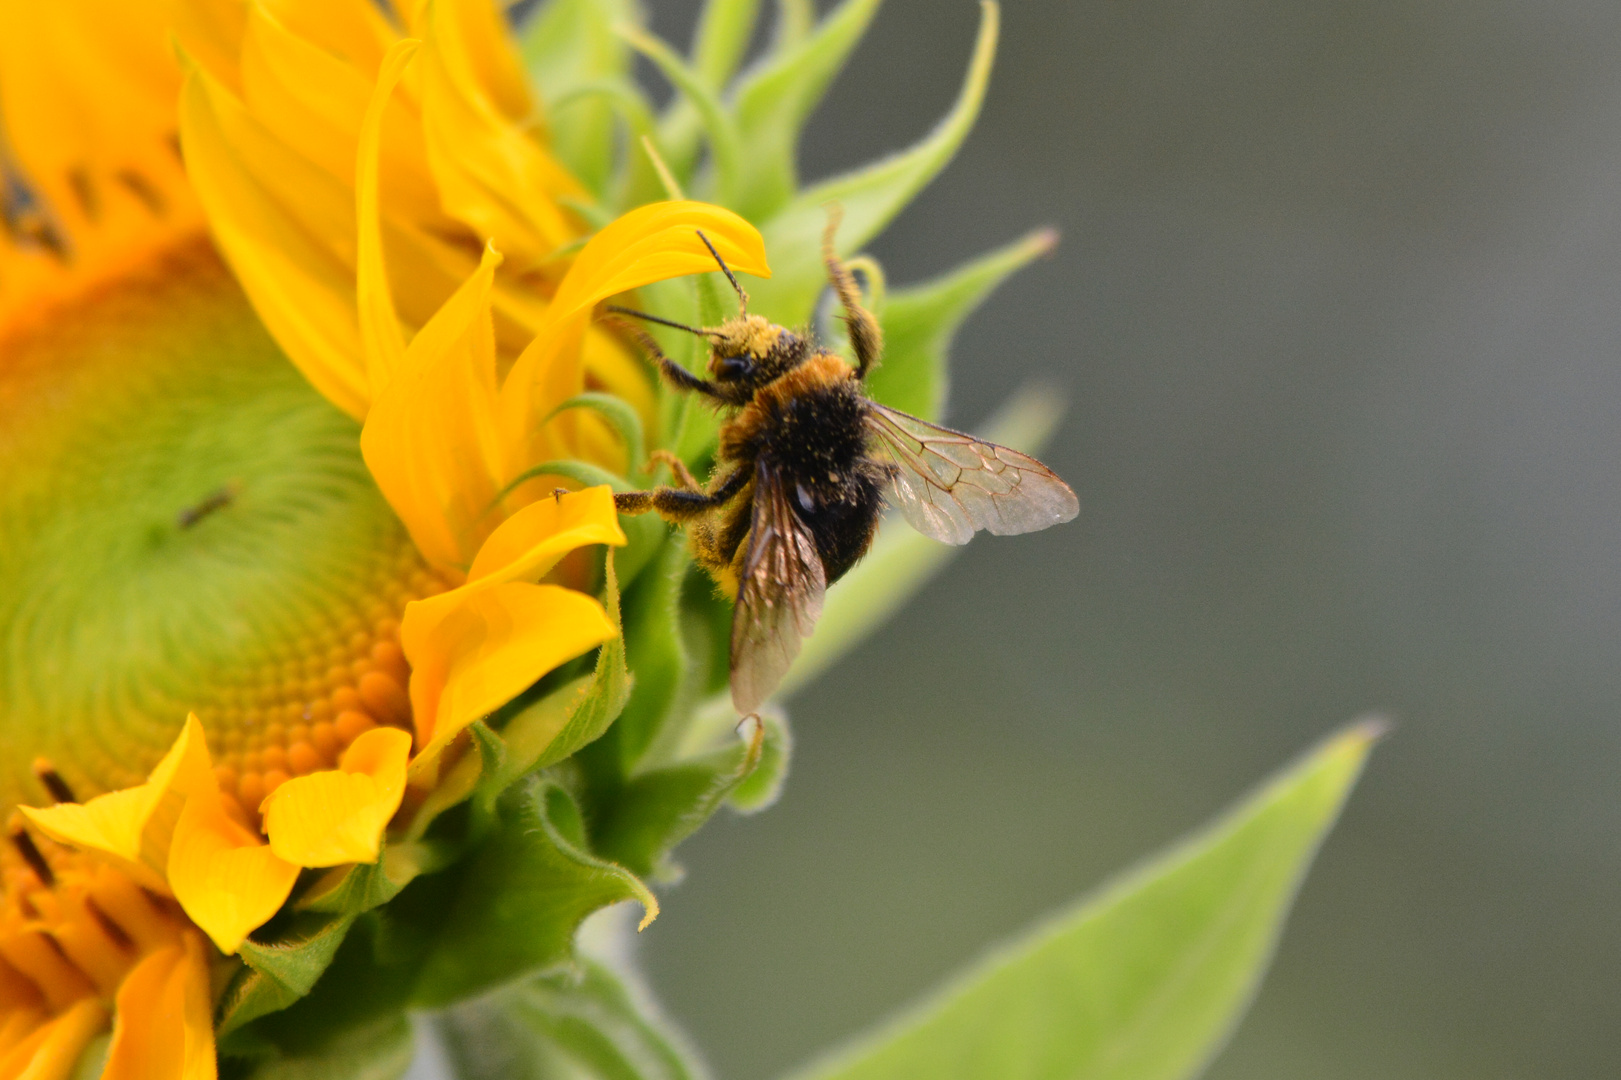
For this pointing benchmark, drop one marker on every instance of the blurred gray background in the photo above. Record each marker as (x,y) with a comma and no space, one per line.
(1338,308)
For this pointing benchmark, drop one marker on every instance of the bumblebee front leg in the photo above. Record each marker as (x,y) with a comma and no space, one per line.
(681,504)
(865,337)
(679,377)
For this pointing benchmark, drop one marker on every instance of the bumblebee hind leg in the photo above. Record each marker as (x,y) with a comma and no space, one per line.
(865,337)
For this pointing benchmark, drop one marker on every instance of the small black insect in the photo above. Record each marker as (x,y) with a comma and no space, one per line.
(805,462)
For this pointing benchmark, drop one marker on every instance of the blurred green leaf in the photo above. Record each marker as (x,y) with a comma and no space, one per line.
(518,898)
(725,145)
(775,99)
(566,45)
(871,196)
(583,1024)
(381,1050)
(724,29)
(795,18)
(902,560)
(1145,980)
(920,321)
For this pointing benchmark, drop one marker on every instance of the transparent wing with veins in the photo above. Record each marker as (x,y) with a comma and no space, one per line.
(949,484)
(779,595)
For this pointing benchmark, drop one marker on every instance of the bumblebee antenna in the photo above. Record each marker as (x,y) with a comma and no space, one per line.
(742,297)
(671,323)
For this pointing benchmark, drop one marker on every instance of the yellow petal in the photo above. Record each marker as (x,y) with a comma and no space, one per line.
(226,878)
(52,1051)
(164,1027)
(650,243)
(492,174)
(338,815)
(379,325)
(300,288)
(430,439)
(490,647)
(532,541)
(122,823)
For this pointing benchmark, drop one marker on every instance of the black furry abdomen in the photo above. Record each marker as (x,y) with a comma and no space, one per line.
(817,442)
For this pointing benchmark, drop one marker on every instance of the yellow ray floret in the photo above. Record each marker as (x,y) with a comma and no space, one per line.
(444,440)
(225,876)
(135,825)
(90,183)
(272,118)
(165,1023)
(337,816)
(476,647)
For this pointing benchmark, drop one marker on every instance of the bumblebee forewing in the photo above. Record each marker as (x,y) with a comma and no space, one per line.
(779,595)
(948,484)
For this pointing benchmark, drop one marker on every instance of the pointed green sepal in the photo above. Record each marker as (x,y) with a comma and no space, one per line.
(871,196)
(920,321)
(775,99)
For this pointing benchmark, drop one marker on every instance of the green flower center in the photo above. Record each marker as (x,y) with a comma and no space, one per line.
(184,525)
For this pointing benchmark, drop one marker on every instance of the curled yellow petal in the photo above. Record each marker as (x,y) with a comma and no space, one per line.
(491,646)
(650,243)
(525,548)
(338,815)
(226,878)
(491,173)
(529,543)
(134,825)
(379,325)
(301,289)
(164,1028)
(429,440)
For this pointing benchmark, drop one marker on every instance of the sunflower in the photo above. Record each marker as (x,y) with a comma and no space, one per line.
(310,576)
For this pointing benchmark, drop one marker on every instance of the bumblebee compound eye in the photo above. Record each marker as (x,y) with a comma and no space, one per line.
(733,367)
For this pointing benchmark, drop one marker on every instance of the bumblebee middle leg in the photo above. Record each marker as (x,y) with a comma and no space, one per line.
(683,476)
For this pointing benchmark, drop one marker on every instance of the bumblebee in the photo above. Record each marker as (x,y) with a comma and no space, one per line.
(804,467)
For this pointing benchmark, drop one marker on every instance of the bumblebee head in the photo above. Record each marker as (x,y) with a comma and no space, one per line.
(748,348)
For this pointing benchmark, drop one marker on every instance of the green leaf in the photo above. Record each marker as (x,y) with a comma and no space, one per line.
(775,100)
(725,145)
(582,710)
(1145,980)
(518,898)
(795,18)
(871,196)
(381,1050)
(919,323)
(281,971)
(567,45)
(655,651)
(640,821)
(902,560)
(586,1024)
